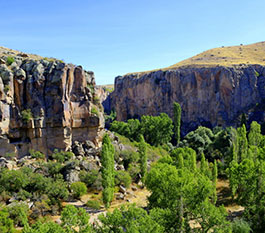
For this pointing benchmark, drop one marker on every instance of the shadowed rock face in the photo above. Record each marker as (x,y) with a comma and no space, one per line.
(213,96)
(59,97)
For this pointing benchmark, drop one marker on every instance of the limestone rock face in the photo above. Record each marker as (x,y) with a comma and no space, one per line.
(45,105)
(213,96)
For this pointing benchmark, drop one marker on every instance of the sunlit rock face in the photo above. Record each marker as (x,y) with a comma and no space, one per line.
(46,104)
(212,96)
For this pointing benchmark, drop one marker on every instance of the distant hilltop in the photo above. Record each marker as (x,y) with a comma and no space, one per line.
(213,88)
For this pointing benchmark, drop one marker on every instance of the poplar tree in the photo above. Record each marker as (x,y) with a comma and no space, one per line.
(215,174)
(143,157)
(107,170)
(177,120)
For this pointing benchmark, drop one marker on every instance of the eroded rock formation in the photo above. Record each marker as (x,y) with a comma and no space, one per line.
(46,104)
(209,96)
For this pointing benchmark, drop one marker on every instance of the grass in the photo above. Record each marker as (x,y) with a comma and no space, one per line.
(222,56)
(227,56)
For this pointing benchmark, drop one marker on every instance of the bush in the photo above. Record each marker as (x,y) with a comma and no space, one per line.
(89,178)
(94,111)
(26,115)
(93,204)
(78,189)
(123,178)
(62,156)
(16,210)
(240,226)
(10,60)
(36,154)
(54,168)
(6,224)
(134,170)
(13,180)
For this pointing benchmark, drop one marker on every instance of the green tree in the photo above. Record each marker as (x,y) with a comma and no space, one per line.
(143,157)
(73,218)
(254,135)
(215,174)
(242,143)
(157,130)
(107,170)
(177,120)
(128,219)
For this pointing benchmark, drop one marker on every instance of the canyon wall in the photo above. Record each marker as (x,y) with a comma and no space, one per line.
(46,104)
(210,96)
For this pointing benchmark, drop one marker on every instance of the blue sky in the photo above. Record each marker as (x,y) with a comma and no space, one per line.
(116,37)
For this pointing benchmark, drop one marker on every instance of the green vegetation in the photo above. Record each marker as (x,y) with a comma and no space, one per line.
(177,120)
(36,154)
(157,130)
(181,177)
(26,115)
(94,110)
(143,157)
(10,60)
(78,189)
(93,204)
(107,170)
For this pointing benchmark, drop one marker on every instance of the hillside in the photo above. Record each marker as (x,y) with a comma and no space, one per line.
(227,56)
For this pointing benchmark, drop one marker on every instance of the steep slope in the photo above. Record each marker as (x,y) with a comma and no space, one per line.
(45,104)
(209,94)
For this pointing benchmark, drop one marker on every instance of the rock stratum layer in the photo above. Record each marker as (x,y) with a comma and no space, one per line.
(45,104)
(211,96)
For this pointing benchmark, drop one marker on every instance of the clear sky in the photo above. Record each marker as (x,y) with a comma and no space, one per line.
(115,37)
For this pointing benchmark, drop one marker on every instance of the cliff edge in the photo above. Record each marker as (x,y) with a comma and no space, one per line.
(46,104)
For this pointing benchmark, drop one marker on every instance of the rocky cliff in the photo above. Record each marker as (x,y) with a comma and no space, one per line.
(46,104)
(209,96)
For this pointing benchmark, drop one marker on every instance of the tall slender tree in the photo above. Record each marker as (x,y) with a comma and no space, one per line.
(143,157)
(177,120)
(107,170)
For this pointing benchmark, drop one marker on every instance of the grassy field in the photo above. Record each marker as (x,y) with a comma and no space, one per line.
(222,56)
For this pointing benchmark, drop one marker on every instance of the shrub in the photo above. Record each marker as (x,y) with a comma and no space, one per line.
(62,156)
(10,60)
(93,204)
(89,178)
(123,178)
(78,189)
(54,168)
(134,170)
(16,210)
(13,180)
(26,115)
(96,100)
(240,226)
(94,111)
(36,154)
(6,224)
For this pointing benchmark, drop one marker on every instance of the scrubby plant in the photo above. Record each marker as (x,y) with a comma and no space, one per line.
(94,110)
(94,204)
(123,178)
(89,177)
(36,154)
(62,156)
(10,60)
(26,115)
(78,189)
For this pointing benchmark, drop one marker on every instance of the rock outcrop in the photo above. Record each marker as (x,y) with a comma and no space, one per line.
(46,104)
(210,96)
